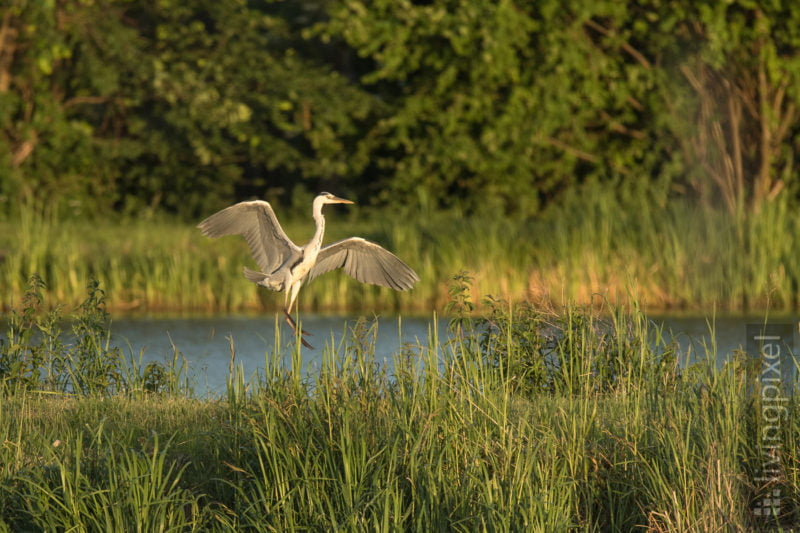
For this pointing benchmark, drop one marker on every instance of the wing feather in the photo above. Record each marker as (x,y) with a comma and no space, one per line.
(257,223)
(366,262)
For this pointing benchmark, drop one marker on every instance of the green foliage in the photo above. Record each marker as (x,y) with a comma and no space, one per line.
(480,105)
(453,438)
(502,105)
(572,351)
(58,97)
(237,100)
(459,306)
(614,242)
(20,360)
(37,354)
(498,104)
(160,104)
(102,486)
(729,93)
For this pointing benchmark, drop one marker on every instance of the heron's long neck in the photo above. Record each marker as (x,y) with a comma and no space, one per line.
(316,240)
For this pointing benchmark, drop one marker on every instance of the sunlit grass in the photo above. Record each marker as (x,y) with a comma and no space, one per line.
(677,256)
(536,420)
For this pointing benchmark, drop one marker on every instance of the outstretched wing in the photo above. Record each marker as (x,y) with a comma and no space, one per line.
(365,261)
(257,223)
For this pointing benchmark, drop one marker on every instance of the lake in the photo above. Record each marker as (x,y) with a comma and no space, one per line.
(204,341)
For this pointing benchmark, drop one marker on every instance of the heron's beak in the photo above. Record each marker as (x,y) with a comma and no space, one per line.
(337,200)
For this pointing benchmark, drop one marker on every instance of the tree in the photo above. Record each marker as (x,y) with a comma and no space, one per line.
(736,126)
(238,105)
(502,103)
(54,96)
(496,105)
(133,103)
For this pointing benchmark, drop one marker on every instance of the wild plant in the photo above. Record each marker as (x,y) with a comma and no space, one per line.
(37,353)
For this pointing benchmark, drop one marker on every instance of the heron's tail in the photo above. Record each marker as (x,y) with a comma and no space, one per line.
(265,280)
(254,276)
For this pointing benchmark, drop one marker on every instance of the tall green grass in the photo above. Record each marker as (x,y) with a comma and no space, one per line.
(523,419)
(37,352)
(677,256)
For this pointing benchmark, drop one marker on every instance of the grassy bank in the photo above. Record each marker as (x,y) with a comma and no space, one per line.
(527,421)
(677,256)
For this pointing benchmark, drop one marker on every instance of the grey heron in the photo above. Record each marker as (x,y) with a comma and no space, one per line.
(286,266)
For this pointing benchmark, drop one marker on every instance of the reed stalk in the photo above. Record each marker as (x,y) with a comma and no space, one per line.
(520,419)
(678,256)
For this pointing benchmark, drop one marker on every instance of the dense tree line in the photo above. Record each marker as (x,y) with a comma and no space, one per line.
(477,104)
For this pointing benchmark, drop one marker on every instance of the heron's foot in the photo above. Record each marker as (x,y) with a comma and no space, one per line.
(293,324)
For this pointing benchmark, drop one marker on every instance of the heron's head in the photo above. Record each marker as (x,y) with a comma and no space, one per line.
(328,198)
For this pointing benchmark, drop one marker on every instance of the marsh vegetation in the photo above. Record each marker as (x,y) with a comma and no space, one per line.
(677,257)
(582,161)
(525,420)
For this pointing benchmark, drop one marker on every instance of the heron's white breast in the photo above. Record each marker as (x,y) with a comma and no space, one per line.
(303,267)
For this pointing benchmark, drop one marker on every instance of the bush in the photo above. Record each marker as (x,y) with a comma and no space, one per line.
(38,353)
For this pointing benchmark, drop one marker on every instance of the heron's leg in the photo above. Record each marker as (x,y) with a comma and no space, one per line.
(291,295)
(292,323)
